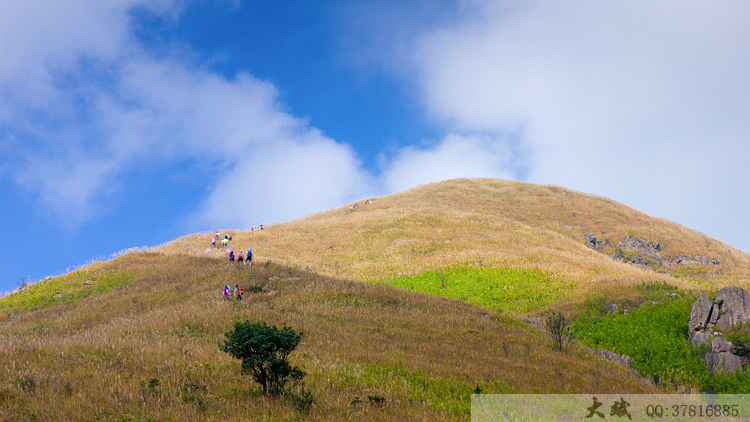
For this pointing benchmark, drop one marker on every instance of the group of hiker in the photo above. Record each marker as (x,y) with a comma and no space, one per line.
(247,258)
(243,257)
(356,204)
(237,293)
(224,242)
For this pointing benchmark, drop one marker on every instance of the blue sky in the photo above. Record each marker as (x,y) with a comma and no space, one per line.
(128,123)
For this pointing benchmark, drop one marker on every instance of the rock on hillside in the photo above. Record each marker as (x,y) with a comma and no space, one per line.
(730,309)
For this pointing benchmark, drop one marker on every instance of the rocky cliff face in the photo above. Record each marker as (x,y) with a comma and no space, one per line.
(731,308)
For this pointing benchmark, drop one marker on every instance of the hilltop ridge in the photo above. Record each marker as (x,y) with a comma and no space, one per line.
(494,223)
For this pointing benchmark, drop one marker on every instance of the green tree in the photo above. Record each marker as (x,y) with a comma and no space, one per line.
(264,351)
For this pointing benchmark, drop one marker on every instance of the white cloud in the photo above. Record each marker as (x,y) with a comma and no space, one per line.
(93,104)
(284,180)
(645,102)
(453,157)
(41,41)
(96,105)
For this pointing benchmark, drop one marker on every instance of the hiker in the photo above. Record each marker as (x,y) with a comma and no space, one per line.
(213,243)
(239,256)
(240,292)
(230,237)
(225,242)
(249,256)
(236,290)
(227,290)
(231,256)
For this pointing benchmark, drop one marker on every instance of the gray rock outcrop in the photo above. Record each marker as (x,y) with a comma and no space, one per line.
(721,357)
(591,241)
(731,308)
(622,360)
(700,338)
(735,307)
(643,247)
(703,315)
(638,260)
(695,259)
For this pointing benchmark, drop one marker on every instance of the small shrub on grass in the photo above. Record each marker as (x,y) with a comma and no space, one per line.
(66,389)
(195,399)
(27,384)
(304,400)
(264,351)
(595,307)
(192,392)
(150,388)
(558,328)
(378,401)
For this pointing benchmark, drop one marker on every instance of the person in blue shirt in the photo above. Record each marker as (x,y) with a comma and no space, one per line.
(249,256)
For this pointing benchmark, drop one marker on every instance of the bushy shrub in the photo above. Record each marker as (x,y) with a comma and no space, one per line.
(254,289)
(558,328)
(304,400)
(264,351)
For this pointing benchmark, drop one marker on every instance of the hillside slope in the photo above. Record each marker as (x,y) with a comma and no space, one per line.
(137,339)
(492,223)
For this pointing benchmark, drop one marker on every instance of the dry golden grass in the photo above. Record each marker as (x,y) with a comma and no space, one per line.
(93,360)
(486,222)
(161,317)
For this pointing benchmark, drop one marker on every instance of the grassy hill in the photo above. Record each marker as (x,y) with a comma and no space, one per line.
(407,305)
(490,224)
(141,342)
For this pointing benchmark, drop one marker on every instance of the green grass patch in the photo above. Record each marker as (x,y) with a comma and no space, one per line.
(655,338)
(72,287)
(691,271)
(34,329)
(656,286)
(502,289)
